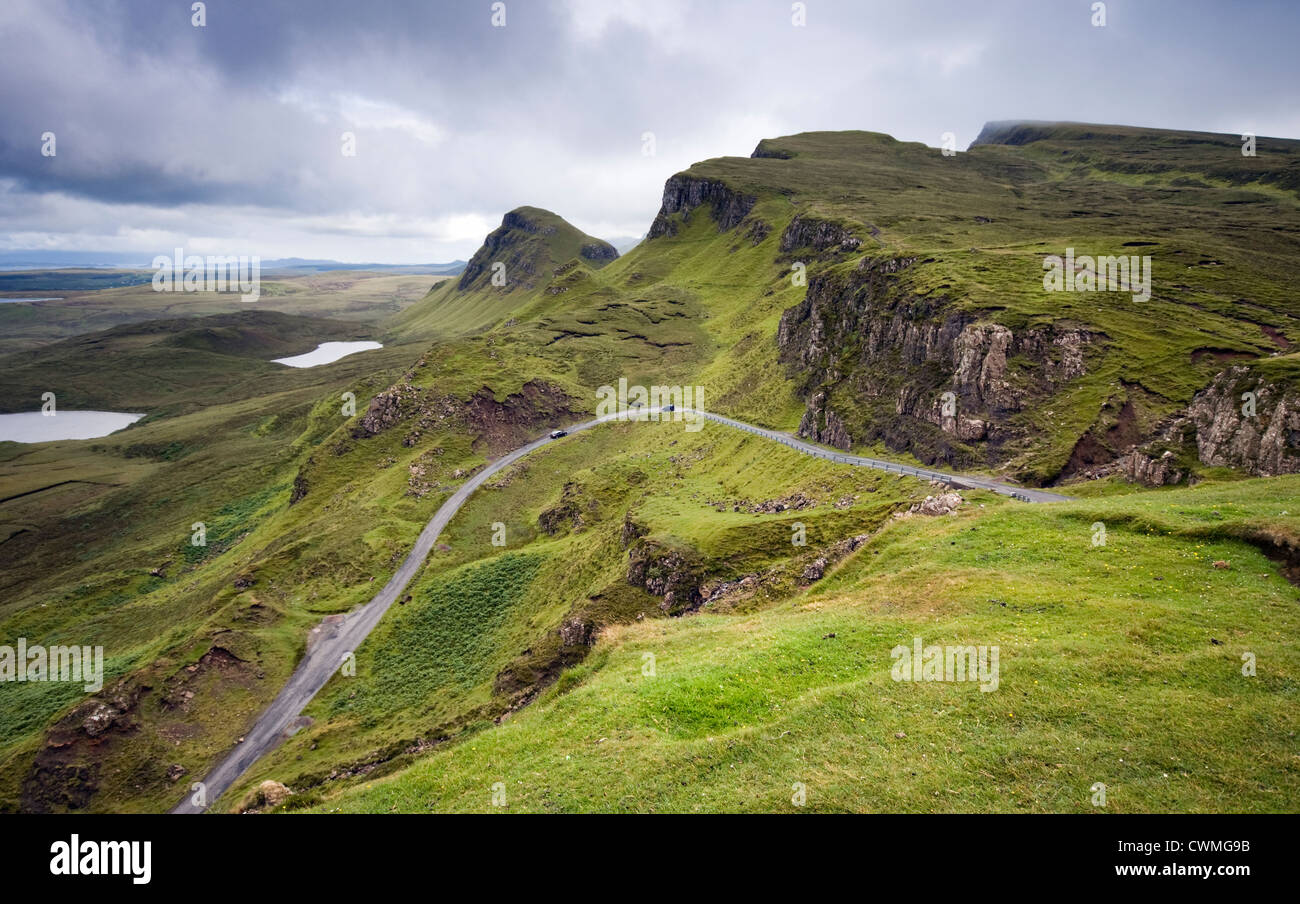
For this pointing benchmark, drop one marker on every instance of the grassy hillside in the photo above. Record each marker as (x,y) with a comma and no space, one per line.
(1119,664)
(972,231)
(532,250)
(529,654)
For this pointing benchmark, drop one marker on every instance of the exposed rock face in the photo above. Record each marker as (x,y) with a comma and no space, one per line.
(671,573)
(394,404)
(819,235)
(300,486)
(568,512)
(1223,429)
(683,193)
(497,246)
(507,424)
(822,425)
(1227,432)
(500,425)
(599,251)
(735,590)
(632,531)
(577,632)
(943,504)
(273,793)
(814,570)
(765,148)
(878,361)
(1266,443)
(1154,471)
(529,243)
(65,772)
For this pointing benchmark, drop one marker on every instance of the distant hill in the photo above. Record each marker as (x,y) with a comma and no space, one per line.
(110,260)
(532,250)
(301,265)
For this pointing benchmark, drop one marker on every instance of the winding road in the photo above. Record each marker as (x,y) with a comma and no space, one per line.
(337,638)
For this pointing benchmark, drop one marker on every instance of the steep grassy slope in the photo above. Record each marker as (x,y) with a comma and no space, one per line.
(96,547)
(1119,664)
(487,627)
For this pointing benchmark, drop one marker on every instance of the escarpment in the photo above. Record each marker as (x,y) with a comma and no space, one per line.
(877,362)
(683,193)
(817,234)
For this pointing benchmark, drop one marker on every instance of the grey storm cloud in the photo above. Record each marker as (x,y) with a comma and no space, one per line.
(232,132)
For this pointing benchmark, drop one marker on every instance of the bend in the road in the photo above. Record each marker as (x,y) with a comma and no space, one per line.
(343,637)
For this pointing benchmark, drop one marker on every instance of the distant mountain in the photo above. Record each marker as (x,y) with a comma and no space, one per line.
(530,244)
(113,260)
(301,265)
(624,244)
(46,260)
(532,250)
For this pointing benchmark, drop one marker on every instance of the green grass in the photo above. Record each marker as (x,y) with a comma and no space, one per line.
(751,695)
(1119,664)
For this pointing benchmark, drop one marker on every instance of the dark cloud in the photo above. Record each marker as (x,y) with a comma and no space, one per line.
(232,132)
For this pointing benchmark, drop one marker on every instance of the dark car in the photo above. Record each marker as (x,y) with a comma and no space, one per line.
(670,408)
(556,434)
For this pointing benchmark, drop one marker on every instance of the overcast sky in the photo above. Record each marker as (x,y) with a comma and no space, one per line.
(227,138)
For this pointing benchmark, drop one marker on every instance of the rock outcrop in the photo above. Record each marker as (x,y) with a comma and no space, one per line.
(497,245)
(529,244)
(1153,470)
(500,425)
(1258,433)
(877,362)
(819,235)
(943,504)
(683,193)
(571,511)
(672,573)
(599,251)
(273,793)
(1241,420)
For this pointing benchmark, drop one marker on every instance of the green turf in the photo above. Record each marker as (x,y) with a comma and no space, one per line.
(751,695)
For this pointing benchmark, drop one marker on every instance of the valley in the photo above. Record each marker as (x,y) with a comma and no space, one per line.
(625,619)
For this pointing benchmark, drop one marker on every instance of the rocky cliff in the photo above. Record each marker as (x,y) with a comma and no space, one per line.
(877,362)
(683,193)
(1259,432)
(1242,420)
